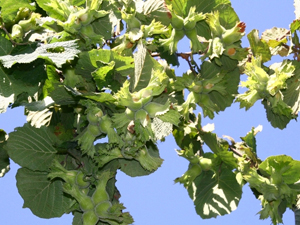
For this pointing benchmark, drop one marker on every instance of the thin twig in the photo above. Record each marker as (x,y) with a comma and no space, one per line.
(10,38)
(80,163)
(184,55)
(157,54)
(234,151)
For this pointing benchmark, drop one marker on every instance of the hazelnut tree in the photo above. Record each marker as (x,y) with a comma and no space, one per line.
(99,92)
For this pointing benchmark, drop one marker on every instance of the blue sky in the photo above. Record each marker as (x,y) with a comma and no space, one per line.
(155,199)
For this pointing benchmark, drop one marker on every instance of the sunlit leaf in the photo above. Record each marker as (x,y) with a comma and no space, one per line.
(220,147)
(215,195)
(39,118)
(284,165)
(58,53)
(178,6)
(156,9)
(9,11)
(259,47)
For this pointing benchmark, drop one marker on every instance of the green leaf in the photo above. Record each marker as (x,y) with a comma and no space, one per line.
(77,219)
(283,165)
(4,161)
(228,17)
(6,92)
(107,76)
(9,10)
(39,105)
(78,2)
(207,6)
(3,136)
(92,62)
(250,139)
(259,47)
(220,147)
(22,80)
(4,158)
(274,210)
(156,9)
(178,6)
(269,88)
(32,147)
(277,80)
(139,63)
(103,75)
(144,65)
(100,97)
(147,160)
(218,89)
(248,145)
(89,61)
(19,80)
(276,120)
(70,78)
(292,92)
(58,53)
(186,138)
(45,198)
(62,95)
(215,195)
(133,168)
(54,8)
(172,116)
(6,45)
(104,26)
(295,25)
(194,170)
(279,113)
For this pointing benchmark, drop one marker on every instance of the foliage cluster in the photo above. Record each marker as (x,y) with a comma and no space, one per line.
(99,92)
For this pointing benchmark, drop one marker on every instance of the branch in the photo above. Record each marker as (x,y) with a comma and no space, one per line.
(184,55)
(234,151)
(10,38)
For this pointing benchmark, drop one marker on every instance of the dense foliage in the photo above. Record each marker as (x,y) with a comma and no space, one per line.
(96,81)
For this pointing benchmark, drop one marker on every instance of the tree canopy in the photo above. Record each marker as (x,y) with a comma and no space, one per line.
(98,85)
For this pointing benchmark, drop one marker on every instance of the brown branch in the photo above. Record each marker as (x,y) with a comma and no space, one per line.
(10,38)
(181,54)
(184,55)
(234,151)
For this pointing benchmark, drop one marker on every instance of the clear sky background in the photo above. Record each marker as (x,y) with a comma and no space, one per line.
(155,199)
